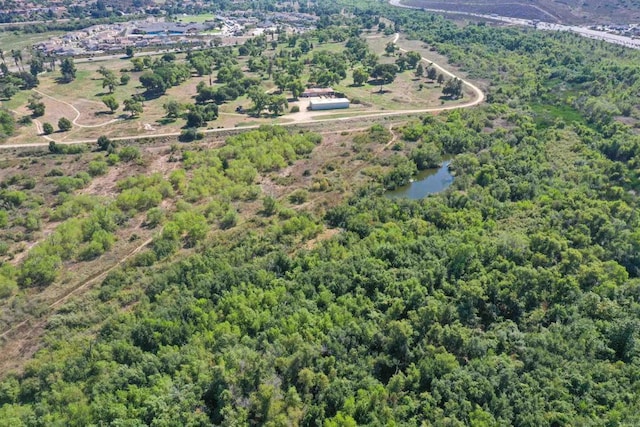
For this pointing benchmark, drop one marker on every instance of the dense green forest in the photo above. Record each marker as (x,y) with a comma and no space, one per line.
(513,298)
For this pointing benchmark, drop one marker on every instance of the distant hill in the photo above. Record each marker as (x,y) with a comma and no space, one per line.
(565,11)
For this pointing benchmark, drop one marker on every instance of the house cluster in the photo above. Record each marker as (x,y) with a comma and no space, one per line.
(631,30)
(116,37)
(27,9)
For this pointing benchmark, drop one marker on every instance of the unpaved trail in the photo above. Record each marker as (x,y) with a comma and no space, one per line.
(75,110)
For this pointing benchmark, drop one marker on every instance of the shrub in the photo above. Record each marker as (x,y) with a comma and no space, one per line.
(295,109)
(230,219)
(105,144)
(39,269)
(97,167)
(269,205)
(55,172)
(155,216)
(299,196)
(7,285)
(128,154)
(25,120)
(144,259)
(189,135)
(13,198)
(113,159)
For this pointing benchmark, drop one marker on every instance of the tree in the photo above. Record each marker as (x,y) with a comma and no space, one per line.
(277,104)
(68,70)
(7,123)
(259,98)
(432,73)
(384,73)
(110,81)
(64,124)
(153,83)
(105,144)
(16,54)
(413,58)
(129,51)
(440,79)
(402,63)
(173,109)
(296,87)
(453,88)
(103,71)
(195,119)
(390,49)
(360,76)
(419,70)
(124,79)
(282,80)
(47,128)
(134,107)
(36,106)
(8,90)
(111,103)
(36,66)
(138,64)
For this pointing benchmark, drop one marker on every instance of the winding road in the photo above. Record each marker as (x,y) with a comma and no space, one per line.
(477,99)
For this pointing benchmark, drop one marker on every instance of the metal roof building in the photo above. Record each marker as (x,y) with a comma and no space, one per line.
(328,104)
(317,91)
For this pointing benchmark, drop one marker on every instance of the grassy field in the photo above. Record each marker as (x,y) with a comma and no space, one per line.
(19,40)
(196,18)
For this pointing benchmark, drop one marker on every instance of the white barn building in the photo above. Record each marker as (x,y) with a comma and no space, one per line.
(328,104)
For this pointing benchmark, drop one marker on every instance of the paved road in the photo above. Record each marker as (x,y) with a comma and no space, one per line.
(479,98)
(547,26)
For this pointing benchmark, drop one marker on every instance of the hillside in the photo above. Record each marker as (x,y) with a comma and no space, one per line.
(566,12)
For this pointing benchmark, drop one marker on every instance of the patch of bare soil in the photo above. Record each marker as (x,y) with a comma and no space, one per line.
(104,185)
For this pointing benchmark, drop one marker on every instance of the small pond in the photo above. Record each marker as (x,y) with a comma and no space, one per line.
(428,181)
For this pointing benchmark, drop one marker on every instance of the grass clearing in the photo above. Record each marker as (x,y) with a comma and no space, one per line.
(20,40)
(196,18)
(545,115)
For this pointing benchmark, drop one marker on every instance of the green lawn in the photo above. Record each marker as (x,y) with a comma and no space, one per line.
(18,40)
(197,18)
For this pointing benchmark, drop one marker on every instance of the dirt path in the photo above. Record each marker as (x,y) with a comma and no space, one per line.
(75,120)
(394,138)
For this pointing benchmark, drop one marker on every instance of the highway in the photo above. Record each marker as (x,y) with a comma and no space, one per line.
(546,26)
